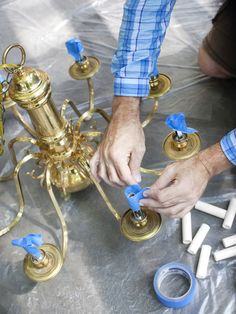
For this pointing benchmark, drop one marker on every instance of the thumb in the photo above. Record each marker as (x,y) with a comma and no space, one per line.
(94,162)
(134,164)
(167,176)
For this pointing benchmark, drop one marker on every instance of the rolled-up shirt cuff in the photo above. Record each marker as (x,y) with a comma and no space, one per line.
(136,87)
(228,145)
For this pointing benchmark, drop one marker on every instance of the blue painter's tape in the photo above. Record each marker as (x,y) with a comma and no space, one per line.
(75,49)
(176,121)
(30,244)
(133,194)
(174,268)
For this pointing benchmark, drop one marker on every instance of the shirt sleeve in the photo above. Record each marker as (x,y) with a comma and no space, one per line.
(141,34)
(228,145)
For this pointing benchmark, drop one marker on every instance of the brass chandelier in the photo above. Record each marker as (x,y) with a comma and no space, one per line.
(62,151)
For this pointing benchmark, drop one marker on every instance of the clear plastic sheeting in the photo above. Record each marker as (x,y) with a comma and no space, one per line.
(104,272)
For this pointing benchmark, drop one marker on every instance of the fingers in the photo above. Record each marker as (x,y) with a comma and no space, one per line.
(114,172)
(102,173)
(167,176)
(124,173)
(118,159)
(178,188)
(176,211)
(167,196)
(135,163)
(113,177)
(170,195)
(94,163)
(158,204)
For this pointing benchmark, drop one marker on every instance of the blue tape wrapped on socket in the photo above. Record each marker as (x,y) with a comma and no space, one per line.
(133,194)
(75,49)
(176,268)
(176,121)
(30,243)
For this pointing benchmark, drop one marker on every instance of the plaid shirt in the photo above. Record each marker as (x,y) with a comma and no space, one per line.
(228,145)
(142,31)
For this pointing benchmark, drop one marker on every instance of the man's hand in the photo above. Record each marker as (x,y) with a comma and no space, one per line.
(118,158)
(182,183)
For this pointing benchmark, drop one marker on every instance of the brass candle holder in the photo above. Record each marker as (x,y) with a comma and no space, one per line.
(45,269)
(179,146)
(63,151)
(140,227)
(159,85)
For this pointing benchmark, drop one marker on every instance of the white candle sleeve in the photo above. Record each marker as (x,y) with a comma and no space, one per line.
(187,229)
(230,214)
(203,261)
(198,239)
(225,253)
(210,209)
(229,241)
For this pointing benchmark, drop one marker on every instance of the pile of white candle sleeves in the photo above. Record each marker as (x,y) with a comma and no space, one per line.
(196,243)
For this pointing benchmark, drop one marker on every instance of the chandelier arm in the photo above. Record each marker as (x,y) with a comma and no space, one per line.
(57,208)
(19,192)
(151,114)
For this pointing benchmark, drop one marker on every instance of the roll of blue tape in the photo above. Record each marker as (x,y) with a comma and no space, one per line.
(174,268)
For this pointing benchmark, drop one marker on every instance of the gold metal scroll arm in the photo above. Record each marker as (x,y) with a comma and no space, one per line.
(20,139)
(151,113)
(105,198)
(58,211)
(114,212)
(13,154)
(65,105)
(155,172)
(21,120)
(19,192)
(85,116)
(91,95)
(90,112)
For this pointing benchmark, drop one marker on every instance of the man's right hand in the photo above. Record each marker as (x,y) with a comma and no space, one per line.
(118,158)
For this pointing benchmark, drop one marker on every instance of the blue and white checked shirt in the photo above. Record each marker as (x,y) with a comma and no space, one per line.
(228,145)
(142,32)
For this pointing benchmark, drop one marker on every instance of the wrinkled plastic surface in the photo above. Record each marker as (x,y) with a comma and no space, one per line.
(103,271)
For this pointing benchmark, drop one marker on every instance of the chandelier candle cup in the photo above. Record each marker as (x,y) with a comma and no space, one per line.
(203,261)
(187,229)
(210,209)
(230,214)
(225,253)
(198,239)
(229,241)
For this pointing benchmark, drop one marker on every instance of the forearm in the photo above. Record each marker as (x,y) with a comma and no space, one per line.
(142,31)
(126,106)
(214,160)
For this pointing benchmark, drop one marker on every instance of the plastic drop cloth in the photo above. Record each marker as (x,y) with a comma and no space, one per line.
(104,272)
